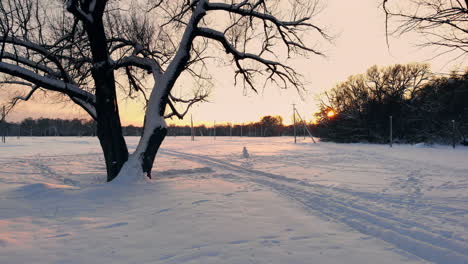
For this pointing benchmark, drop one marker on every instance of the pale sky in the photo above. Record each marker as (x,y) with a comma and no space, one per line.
(359,44)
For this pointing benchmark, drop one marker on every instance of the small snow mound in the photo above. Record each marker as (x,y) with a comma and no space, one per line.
(131,172)
(245,153)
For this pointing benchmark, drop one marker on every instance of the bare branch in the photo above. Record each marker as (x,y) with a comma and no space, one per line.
(47,83)
(442,23)
(197,98)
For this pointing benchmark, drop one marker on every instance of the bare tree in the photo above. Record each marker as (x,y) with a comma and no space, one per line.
(98,46)
(442,23)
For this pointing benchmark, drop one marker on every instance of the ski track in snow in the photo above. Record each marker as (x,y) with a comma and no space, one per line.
(372,214)
(54,169)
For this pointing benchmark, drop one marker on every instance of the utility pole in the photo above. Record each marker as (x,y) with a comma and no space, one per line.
(214,129)
(303,129)
(304,126)
(453,133)
(391,131)
(230,130)
(191,126)
(3,126)
(241,130)
(294,125)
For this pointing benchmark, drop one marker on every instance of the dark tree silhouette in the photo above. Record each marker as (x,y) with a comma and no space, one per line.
(421,104)
(441,23)
(271,125)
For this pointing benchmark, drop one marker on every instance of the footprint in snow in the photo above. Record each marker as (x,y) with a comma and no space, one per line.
(268,237)
(269,242)
(237,242)
(300,237)
(163,211)
(200,201)
(115,225)
(60,235)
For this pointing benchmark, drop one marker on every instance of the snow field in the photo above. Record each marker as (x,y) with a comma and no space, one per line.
(285,203)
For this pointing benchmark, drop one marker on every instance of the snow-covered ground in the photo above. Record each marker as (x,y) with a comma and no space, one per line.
(286,203)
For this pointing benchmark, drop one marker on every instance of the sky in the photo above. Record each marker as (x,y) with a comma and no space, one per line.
(359,43)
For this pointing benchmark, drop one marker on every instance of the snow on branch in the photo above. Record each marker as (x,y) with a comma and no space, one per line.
(135,61)
(31,46)
(21,60)
(87,106)
(46,82)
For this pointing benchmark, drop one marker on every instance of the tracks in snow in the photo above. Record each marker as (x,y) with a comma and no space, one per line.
(355,210)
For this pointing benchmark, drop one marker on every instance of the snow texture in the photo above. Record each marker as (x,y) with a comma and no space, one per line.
(289,203)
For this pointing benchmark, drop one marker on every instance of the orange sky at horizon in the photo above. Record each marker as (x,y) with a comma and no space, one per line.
(360,44)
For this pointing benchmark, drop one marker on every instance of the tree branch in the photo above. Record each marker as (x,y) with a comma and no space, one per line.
(47,83)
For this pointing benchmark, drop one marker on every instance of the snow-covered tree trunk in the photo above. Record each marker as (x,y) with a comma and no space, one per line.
(152,148)
(140,162)
(154,130)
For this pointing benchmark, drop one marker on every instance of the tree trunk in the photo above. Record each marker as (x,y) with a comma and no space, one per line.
(109,128)
(152,148)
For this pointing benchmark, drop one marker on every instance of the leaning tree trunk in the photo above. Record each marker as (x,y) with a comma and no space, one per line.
(154,132)
(140,162)
(109,128)
(152,148)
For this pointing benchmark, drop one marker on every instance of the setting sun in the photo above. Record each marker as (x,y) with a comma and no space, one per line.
(331,113)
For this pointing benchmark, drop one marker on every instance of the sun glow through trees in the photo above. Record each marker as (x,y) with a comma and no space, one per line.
(331,114)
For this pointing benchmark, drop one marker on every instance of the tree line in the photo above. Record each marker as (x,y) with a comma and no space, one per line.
(267,126)
(420,104)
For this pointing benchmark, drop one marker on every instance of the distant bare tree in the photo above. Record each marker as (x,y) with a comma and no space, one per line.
(144,47)
(441,23)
